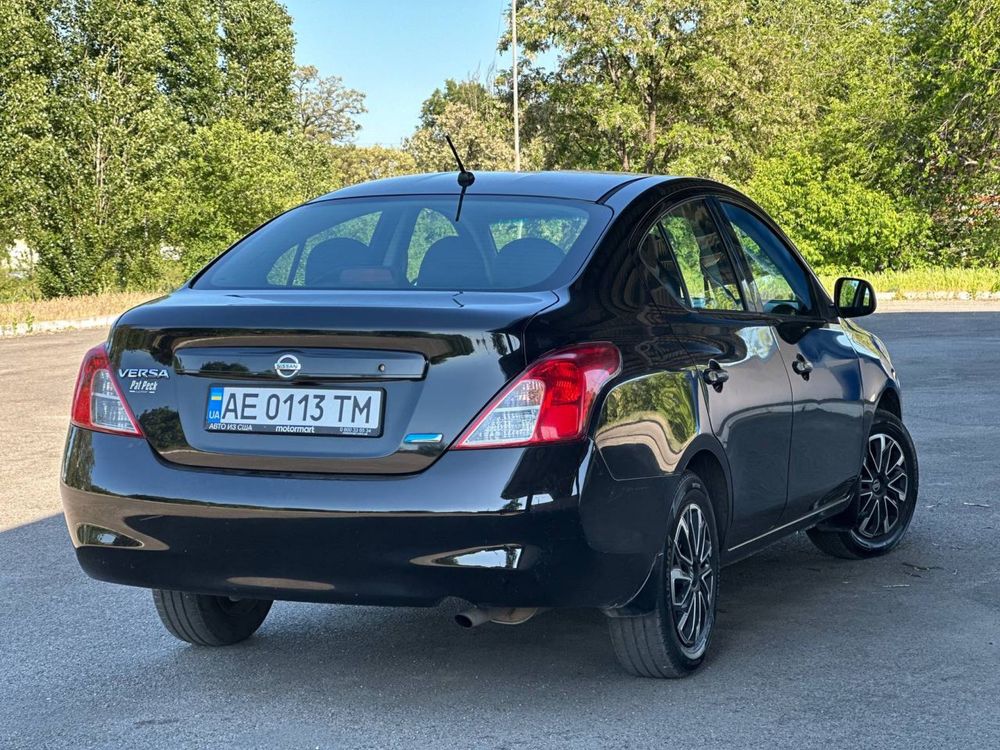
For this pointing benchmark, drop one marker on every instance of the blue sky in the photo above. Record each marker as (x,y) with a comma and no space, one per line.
(397,51)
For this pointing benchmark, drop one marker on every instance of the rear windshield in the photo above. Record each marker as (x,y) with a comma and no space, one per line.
(414,242)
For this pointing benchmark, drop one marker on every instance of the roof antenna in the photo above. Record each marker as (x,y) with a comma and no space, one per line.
(465,178)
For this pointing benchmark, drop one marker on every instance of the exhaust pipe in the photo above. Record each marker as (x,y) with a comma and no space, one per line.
(476,616)
(471,618)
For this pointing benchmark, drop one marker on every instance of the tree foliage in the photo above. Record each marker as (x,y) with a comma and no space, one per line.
(141,137)
(113,137)
(138,138)
(477,121)
(952,57)
(231,178)
(189,69)
(869,127)
(325,107)
(27,51)
(836,219)
(257,49)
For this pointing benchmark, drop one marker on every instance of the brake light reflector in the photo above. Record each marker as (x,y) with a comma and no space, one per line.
(549,402)
(97,402)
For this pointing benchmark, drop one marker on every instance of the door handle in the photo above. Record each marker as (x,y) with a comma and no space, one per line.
(802,366)
(714,375)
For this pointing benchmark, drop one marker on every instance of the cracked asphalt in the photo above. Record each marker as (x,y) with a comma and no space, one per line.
(810,651)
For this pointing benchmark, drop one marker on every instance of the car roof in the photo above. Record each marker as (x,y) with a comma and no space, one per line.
(588,186)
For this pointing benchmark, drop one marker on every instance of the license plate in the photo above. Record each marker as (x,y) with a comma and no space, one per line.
(295,411)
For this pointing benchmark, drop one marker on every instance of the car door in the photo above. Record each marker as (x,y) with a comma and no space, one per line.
(822,365)
(744,381)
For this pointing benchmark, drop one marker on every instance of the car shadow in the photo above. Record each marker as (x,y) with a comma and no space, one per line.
(783,595)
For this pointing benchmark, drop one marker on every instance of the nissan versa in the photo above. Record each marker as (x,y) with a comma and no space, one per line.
(522,390)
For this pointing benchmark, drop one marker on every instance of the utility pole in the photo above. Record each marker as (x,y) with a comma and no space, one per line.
(517,118)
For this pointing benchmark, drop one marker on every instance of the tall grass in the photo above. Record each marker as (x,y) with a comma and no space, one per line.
(925,282)
(31,311)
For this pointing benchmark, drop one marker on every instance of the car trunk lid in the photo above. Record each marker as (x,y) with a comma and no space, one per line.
(434,358)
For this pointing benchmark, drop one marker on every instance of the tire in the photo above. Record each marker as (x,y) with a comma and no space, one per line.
(886,495)
(209,620)
(663,643)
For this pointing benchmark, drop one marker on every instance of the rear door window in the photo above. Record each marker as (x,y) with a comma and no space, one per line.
(686,252)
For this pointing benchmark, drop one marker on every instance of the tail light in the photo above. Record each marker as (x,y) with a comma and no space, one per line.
(549,402)
(98,403)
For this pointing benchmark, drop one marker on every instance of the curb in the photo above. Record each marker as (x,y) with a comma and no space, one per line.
(54,326)
(936,296)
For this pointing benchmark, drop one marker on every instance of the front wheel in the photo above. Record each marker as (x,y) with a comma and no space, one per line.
(887,495)
(209,620)
(671,641)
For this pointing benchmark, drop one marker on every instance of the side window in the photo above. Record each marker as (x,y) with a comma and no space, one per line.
(690,258)
(656,256)
(781,282)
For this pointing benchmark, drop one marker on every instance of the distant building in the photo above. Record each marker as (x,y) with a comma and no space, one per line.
(18,260)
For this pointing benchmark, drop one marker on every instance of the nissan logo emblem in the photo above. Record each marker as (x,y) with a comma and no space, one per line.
(287,366)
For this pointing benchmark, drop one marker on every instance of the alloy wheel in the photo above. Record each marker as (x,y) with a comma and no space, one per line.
(692,580)
(884,486)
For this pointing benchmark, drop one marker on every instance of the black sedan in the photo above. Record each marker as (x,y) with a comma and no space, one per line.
(525,391)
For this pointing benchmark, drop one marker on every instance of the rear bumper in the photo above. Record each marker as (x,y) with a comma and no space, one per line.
(512,527)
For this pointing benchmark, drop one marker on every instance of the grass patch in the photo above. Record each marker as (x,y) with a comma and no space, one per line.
(929,282)
(30,311)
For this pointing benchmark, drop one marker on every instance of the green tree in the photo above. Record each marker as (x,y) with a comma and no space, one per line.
(478,123)
(28,49)
(837,185)
(623,75)
(190,72)
(353,164)
(470,92)
(257,55)
(834,218)
(326,108)
(952,54)
(700,86)
(231,179)
(114,143)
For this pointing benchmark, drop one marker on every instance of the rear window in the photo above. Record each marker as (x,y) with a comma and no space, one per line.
(414,242)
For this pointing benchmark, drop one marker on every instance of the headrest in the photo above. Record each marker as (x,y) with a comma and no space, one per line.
(526,261)
(452,263)
(328,260)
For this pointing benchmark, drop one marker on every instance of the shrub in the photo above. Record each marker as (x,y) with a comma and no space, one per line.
(834,219)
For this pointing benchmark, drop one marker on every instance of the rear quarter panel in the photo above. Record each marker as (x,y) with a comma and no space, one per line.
(651,418)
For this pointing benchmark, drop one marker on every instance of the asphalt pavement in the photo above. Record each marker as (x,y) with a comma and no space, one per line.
(810,651)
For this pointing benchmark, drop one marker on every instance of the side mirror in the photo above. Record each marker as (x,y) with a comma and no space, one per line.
(853,297)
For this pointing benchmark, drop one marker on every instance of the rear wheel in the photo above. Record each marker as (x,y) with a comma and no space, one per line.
(887,495)
(671,641)
(209,620)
